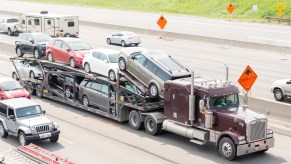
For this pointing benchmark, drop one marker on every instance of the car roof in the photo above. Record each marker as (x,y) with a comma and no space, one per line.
(131,50)
(105,51)
(4,79)
(19,102)
(69,39)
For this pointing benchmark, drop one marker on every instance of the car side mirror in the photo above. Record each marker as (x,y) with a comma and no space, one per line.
(12,117)
(43,112)
(106,61)
(68,49)
(31,41)
(133,57)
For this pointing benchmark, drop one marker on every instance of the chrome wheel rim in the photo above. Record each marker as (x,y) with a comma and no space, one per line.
(38,91)
(153,90)
(150,125)
(108,41)
(226,149)
(123,44)
(134,120)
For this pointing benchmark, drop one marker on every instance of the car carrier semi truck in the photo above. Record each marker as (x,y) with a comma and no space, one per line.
(198,108)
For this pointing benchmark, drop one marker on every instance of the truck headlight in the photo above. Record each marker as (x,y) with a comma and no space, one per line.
(269,133)
(51,127)
(33,130)
(241,138)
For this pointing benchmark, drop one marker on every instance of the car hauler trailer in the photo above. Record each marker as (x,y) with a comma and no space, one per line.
(55,25)
(31,154)
(201,109)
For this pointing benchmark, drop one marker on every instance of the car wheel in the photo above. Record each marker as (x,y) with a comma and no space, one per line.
(227,149)
(68,92)
(153,90)
(54,138)
(9,32)
(30,89)
(72,63)
(87,68)
(108,41)
(36,54)
(151,126)
(14,76)
(122,64)
(278,94)
(136,44)
(50,57)
(19,53)
(22,139)
(31,74)
(85,101)
(134,120)
(123,43)
(112,75)
(3,133)
(39,92)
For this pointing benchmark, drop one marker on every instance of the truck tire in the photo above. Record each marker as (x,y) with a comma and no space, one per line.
(22,139)
(227,148)
(19,53)
(122,64)
(151,126)
(3,133)
(39,91)
(134,120)
(278,94)
(30,89)
(55,138)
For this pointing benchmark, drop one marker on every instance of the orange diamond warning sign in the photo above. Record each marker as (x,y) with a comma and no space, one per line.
(162,22)
(230,8)
(248,78)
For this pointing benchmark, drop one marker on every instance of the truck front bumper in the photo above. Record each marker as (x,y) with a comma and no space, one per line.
(43,135)
(255,146)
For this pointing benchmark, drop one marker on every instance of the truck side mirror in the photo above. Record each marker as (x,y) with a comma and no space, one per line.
(12,117)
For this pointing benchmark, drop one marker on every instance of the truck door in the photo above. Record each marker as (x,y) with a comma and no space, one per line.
(179,106)
(49,26)
(11,123)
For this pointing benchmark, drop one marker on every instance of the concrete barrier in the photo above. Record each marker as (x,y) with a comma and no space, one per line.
(234,43)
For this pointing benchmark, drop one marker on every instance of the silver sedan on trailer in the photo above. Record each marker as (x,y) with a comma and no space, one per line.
(124,38)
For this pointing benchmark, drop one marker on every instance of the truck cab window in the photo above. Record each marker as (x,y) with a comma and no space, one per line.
(10,112)
(71,24)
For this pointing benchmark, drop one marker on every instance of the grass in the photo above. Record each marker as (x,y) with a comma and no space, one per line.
(205,8)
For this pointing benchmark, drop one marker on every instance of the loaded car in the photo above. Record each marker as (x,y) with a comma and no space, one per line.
(124,38)
(27,68)
(31,43)
(281,89)
(102,61)
(67,50)
(152,68)
(9,25)
(10,88)
(25,119)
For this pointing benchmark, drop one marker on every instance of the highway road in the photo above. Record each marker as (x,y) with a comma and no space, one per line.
(89,138)
(204,58)
(263,33)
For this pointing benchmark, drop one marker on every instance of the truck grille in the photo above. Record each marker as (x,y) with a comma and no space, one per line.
(42,128)
(257,130)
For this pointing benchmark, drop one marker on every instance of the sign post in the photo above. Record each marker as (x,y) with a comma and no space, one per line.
(255,9)
(230,9)
(162,23)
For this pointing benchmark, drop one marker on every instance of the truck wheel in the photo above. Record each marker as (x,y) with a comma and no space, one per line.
(30,89)
(153,90)
(151,126)
(19,53)
(227,149)
(135,120)
(3,133)
(121,64)
(278,94)
(36,54)
(55,138)
(22,139)
(9,32)
(39,91)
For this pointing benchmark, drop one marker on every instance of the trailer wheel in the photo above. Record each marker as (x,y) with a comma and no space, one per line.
(30,88)
(22,139)
(19,53)
(3,133)
(39,91)
(55,138)
(135,120)
(227,149)
(151,126)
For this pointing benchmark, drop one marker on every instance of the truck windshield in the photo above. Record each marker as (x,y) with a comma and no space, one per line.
(28,111)
(11,85)
(224,101)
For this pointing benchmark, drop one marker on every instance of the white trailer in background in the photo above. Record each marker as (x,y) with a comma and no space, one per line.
(55,25)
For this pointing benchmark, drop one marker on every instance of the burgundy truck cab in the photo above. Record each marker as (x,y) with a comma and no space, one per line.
(218,114)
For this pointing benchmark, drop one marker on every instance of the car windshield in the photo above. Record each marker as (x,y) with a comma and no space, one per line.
(41,37)
(11,85)
(79,46)
(28,111)
(12,20)
(224,101)
(113,58)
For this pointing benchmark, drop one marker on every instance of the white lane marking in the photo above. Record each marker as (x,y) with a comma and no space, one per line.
(260,38)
